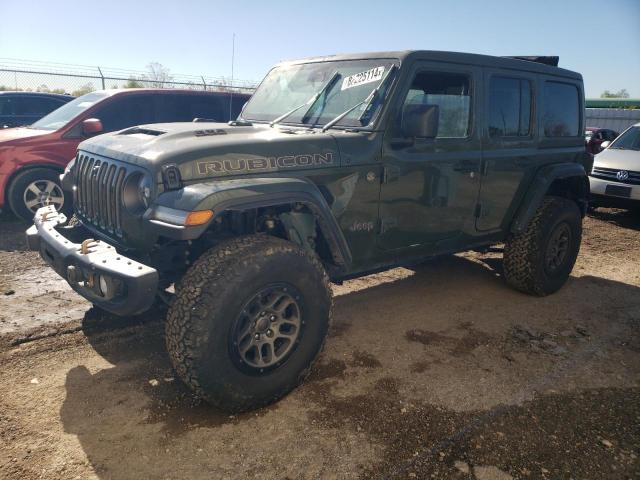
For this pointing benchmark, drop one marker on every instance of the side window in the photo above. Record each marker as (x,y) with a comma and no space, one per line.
(561,117)
(51,104)
(451,92)
(127,111)
(32,106)
(6,106)
(184,108)
(509,107)
(210,107)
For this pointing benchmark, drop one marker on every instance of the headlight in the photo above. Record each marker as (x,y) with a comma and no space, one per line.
(136,194)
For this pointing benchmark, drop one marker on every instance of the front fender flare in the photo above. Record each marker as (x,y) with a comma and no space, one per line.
(243,194)
(540,187)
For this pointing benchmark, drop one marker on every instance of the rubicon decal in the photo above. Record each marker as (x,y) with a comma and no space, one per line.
(266,163)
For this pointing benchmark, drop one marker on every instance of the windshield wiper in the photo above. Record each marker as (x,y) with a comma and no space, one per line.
(309,102)
(367,102)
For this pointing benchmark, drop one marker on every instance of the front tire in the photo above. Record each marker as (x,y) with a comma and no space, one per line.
(248,320)
(539,260)
(35,188)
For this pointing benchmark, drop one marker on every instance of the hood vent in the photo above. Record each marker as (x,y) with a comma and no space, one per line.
(142,131)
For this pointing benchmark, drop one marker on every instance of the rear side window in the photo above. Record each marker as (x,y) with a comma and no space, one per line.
(184,108)
(127,111)
(561,106)
(6,106)
(509,107)
(451,93)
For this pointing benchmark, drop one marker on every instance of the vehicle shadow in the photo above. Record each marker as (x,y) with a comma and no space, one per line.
(12,233)
(623,218)
(135,419)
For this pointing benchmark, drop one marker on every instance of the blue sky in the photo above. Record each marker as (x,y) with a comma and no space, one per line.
(599,39)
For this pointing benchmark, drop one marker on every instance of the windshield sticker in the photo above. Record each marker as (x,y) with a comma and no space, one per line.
(362,78)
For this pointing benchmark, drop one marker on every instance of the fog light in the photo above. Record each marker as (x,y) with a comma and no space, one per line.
(104,286)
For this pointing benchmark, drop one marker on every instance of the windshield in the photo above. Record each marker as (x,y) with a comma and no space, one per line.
(289,86)
(629,140)
(63,115)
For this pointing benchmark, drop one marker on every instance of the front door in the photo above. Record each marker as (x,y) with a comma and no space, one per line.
(430,186)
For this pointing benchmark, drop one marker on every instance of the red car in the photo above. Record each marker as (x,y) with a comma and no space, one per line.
(32,158)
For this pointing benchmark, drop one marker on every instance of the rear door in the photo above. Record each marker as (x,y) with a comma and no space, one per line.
(509,143)
(430,186)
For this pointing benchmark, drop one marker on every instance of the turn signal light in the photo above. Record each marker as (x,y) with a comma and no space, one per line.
(199,217)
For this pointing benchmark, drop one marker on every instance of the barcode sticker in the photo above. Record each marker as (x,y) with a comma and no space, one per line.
(362,78)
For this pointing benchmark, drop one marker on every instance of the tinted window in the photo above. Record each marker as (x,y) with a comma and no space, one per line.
(127,111)
(561,106)
(184,108)
(629,140)
(509,107)
(6,106)
(451,93)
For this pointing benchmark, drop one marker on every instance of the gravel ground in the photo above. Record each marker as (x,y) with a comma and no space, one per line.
(436,372)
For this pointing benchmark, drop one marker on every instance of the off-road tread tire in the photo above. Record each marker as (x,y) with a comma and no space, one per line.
(220,264)
(522,260)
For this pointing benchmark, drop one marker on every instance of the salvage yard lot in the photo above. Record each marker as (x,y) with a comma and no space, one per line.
(440,371)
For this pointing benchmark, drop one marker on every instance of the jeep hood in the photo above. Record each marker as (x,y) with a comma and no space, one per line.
(618,159)
(205,150)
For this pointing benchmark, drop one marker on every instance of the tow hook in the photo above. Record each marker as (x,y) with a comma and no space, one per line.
(85,245)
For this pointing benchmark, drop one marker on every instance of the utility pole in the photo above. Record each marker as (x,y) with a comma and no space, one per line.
(233,53)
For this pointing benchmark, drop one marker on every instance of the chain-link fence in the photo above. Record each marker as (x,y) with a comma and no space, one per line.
(77,80)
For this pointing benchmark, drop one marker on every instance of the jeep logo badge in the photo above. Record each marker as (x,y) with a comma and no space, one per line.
(622,175)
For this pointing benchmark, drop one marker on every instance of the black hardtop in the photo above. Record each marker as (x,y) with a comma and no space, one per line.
(449,57)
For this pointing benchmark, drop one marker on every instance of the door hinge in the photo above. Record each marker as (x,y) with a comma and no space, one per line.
(390,173)
(484,167)
(478,210)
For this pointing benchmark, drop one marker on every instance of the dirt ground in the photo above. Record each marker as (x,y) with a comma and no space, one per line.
(436,372)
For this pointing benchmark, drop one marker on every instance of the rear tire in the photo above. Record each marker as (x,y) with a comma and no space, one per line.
(248,320)
(35,188)
(539,260)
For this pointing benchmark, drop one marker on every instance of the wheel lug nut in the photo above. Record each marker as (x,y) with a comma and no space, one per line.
(269,333)
(257,336)
(272,318)
(262,314)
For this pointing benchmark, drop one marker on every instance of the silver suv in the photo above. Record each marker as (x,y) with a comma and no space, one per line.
(615,178)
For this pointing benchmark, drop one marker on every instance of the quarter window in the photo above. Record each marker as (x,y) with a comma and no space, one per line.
(561,110)
(451,93)
(509,107)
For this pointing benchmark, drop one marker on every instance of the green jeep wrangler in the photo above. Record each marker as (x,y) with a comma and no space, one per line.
(337,167)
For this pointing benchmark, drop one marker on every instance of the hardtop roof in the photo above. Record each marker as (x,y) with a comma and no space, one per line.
(449,57)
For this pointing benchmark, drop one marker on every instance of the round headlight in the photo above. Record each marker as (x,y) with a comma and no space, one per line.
(136,193)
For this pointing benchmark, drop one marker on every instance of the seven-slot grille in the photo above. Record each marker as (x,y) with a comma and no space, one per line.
(98,195)
(612,174)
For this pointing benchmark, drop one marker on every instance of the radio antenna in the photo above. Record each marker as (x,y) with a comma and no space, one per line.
(233,54)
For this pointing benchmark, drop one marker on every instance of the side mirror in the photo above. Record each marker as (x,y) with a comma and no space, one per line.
(420,120)
(605,144)
(92,126)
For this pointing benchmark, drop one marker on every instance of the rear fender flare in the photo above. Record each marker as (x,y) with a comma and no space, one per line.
(540,187)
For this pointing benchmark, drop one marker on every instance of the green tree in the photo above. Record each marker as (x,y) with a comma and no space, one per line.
(86,88)
(133,83)
(622,93)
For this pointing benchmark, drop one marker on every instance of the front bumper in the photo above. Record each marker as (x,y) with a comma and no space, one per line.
(599,186)
(92,268)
